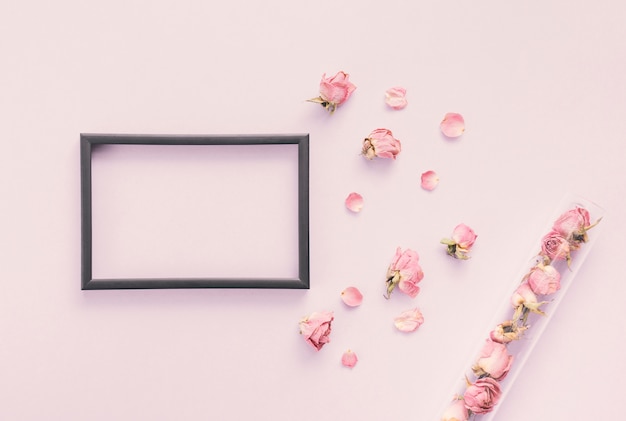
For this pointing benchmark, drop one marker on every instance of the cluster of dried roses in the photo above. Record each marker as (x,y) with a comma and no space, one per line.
(568,233)
(404,271)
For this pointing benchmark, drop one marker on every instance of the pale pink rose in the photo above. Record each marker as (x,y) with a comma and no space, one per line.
(395,98)
(430,180)
(316,328)
(456,412)
(555,246)
(494,360)
(409,321)
(352,297)
(334,91)
(544,279)
(523,296)
(381,143)
(349,359)
(404,272)
(481,396)
(463,238)
(452,125)
(354,202)
(573,225)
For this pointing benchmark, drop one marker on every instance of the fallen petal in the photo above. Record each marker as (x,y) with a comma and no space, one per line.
(430,180)
(349,359)
(409,320)
(452,125)
(395,98)
(354,202)
(352,297)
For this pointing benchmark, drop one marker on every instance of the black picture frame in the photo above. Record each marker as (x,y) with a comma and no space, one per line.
(89,141)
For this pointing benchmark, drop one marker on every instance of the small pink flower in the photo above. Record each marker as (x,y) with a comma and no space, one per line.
(395,98)
(523,295)
(430,180)
(456,411)
(354,202)
(404,272)
(349,359)
(494,360)
(555,246)
(573,225)
(381,143)
(409,321)
(481,396)
(463,238)
(316,328)
(352,297)
(452,125)
(544,279)
(334,91)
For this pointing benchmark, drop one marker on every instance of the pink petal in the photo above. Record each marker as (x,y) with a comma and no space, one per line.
(349,359)
(409,320)
(395,98)
(354,202)
(452,125)
(352,297)
(430,180)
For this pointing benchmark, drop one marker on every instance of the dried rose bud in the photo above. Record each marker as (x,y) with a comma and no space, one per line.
(381,143)
(316,328)
(404,272)
(334,91)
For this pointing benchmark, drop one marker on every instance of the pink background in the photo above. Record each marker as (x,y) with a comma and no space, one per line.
(543,93)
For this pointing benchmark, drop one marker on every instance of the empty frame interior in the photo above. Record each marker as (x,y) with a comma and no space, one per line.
(179,212)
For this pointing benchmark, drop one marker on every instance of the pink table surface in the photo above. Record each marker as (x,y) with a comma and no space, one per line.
(542,90)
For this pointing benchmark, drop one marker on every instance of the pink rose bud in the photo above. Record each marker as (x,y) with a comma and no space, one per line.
(404,272)
(573,226)
(452,125)
(523,295)
(315,328)
(481,396)
(381,143)
(463,238)
(395,98)
(494,360)
(354,202)
(555,246)
(334,91)
(430,180)
(349,359)
(456,412)
(507,332)
(352,297)
(409,321)
(544,279)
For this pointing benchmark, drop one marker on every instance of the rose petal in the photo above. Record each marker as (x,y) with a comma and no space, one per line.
(409,320)
(430,180)
(354,202)
(394,97)
(452,125)
(352,297)
(349,359)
